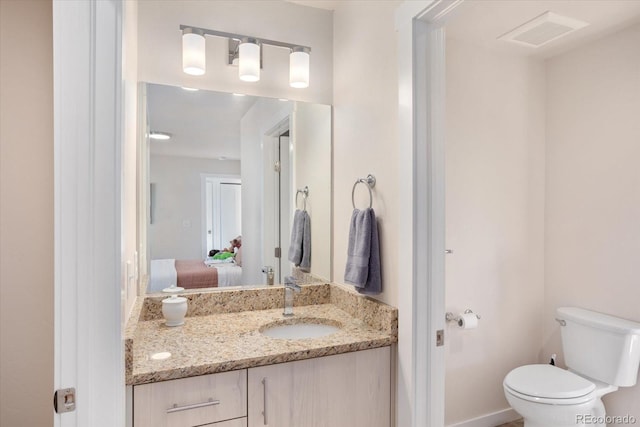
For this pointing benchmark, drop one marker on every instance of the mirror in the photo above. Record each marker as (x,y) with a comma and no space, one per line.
(217,198)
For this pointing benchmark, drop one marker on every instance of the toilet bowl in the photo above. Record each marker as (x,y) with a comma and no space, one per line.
(602,353)
(547,396)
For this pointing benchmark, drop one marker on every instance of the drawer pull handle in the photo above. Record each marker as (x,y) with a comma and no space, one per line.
(264,401)
(177,408)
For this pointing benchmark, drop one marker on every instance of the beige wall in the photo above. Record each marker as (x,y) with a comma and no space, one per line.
(365,129)
(494,222)
(542,207)
(592,250)
(26,213)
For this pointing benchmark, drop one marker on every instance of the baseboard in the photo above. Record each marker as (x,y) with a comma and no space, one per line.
(490,420)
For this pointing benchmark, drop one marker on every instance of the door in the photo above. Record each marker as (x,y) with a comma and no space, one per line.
(284,204)
(222,211)
(230,212)
(277,203)
(89,353)
(345,390)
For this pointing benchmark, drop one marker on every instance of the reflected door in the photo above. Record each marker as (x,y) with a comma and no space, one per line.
(277,208)
(223,212)
(230,211)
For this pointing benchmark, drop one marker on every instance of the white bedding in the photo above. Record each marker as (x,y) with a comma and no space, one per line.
(229,275)
(163,274)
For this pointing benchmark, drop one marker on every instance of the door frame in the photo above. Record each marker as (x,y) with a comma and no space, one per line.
(88,269)
(273,217)
(421,119)
(88,278)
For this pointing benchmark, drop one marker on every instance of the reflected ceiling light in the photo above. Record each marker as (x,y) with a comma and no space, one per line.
(190,89)
(299,67)
(238,94)
(193,51)
(249,60)
(160,136)
(244,52)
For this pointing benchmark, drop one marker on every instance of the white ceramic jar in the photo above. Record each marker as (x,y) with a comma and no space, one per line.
(173,309)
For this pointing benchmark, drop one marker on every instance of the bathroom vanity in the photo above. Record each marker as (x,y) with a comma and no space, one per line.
(225,368)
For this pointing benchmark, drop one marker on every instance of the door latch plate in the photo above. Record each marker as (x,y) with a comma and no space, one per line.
(64,400)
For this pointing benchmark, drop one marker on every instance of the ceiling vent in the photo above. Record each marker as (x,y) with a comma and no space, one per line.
(542,30)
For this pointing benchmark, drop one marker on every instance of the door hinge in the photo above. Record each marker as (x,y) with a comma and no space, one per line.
(276,166)
(439,337)
(64,400)
(276,252)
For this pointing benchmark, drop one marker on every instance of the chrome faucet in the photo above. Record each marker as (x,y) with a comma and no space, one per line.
(290,286)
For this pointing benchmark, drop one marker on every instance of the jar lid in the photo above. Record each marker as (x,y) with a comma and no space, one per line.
(173,289)
(174,299)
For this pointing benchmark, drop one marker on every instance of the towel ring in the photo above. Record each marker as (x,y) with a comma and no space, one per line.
(305,194)
(370,180)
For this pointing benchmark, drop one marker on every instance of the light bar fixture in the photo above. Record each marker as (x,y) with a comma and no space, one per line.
(244,51)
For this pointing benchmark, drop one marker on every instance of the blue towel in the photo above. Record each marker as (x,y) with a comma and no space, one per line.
(363,256)
(300,246)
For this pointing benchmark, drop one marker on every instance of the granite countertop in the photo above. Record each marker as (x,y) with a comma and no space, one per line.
(211,342)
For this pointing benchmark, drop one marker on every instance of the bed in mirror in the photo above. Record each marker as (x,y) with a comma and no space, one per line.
(221,176)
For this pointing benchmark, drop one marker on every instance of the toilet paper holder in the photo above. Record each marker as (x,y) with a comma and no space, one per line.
(450,317)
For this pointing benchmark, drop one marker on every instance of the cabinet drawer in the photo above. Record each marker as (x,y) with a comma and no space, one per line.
(238,422)
(191,401)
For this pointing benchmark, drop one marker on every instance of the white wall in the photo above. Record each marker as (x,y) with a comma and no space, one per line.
(312,145)
(365,130)
(160,45)
(26,213)
(495,222)
(593,188)
(178,199)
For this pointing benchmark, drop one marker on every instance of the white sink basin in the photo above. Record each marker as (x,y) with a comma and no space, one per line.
(306,328)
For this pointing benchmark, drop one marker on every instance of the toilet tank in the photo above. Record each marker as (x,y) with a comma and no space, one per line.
(600,346)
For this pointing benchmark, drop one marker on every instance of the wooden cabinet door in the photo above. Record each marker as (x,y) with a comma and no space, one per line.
(345,390)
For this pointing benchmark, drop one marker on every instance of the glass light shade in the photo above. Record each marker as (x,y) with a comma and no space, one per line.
(299,69)
(249,62)
(193,54)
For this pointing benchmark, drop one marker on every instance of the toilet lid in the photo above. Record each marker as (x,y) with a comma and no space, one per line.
(547,381)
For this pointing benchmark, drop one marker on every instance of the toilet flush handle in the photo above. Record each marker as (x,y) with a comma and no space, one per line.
(561,321)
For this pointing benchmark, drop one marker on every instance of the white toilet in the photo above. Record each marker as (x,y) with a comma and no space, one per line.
(602,353)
